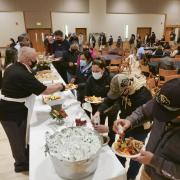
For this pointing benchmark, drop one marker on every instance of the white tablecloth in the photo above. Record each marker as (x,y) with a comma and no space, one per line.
(41,167)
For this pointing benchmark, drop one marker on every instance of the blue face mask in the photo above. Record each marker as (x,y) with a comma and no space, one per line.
(83,63)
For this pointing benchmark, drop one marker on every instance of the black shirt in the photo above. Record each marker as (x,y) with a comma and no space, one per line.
(98,87)
(70,56)
(59,48)
(18,82)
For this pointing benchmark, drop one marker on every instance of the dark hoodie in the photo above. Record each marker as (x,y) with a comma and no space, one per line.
(98,87)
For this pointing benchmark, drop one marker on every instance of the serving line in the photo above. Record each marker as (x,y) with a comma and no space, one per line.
(41,167)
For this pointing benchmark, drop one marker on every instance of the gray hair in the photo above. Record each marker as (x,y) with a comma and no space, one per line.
(26,53)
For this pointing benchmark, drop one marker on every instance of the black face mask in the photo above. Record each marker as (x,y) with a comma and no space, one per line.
(33,64)
(59,41)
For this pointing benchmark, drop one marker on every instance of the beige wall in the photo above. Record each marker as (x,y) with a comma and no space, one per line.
(99,21)
(45,5)
(39,10)
(32,17)
(169,7)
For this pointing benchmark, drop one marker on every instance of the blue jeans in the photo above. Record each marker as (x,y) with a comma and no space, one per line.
(134,166)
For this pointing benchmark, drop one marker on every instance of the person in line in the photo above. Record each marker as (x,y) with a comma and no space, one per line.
(46,43)
(12,43)
(161,158)
(11,56)
(81,41)
(11,53)
(83,72)
(49,49)
(98,84)
(130,92)
(59,47)
(18,85)
(70,61)
(23,40)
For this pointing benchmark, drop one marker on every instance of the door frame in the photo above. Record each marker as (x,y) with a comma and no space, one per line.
(144,28)
(39,29)
(82,28)
(28,29)
(170,27)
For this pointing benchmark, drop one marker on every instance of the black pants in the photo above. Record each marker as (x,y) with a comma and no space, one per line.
(140,97)
(16,136)
(134,166)
(61,69)
(0,79)
(112,116)
(13,118)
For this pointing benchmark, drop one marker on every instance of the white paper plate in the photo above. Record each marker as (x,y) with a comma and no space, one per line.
(124,155)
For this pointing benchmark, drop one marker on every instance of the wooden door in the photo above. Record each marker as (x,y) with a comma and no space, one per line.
(168,31)
(82,31)
(37,37)
(142,31)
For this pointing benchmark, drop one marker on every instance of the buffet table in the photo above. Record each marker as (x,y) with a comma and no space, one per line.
(41,167)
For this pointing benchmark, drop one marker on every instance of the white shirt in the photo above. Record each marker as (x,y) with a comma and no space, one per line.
(17,46)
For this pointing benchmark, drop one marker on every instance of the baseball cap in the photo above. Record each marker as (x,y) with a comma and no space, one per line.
(118,85)
(166,104)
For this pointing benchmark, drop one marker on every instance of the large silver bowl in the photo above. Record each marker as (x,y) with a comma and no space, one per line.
(77,169)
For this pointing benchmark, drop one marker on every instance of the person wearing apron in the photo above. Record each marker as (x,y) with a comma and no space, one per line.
(19,88)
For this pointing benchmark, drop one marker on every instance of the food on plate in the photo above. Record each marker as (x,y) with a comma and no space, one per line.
(43,72)
(93,99)
(80,122)
(46,75)
(48,98)
(71,86)
(129,146)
